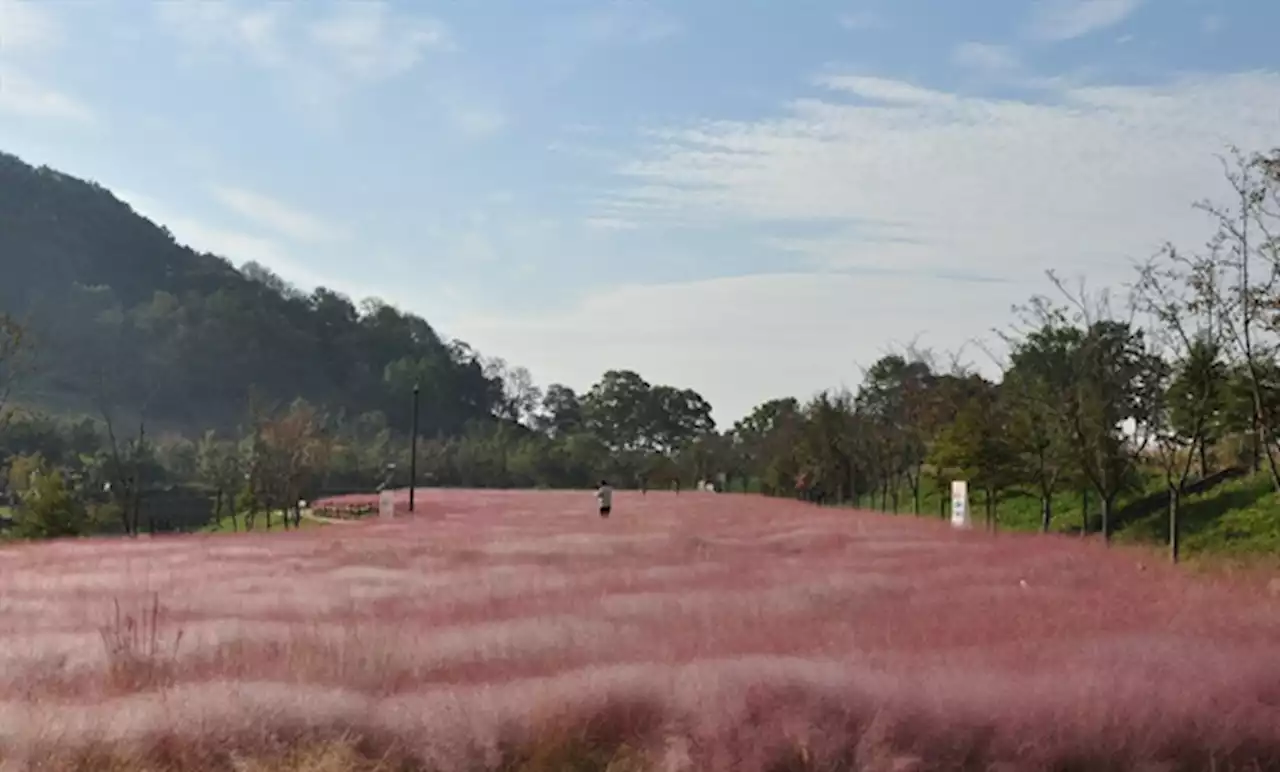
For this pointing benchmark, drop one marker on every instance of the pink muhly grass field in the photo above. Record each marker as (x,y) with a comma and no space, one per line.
(518,630)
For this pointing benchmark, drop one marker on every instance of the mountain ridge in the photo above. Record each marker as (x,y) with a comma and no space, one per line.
(126,317)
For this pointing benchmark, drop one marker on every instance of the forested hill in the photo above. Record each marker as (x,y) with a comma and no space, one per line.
(124,318)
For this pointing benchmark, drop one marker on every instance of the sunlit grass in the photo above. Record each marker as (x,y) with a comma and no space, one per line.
(520,631)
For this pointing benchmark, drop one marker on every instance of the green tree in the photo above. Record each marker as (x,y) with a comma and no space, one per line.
(1038,388)
(561,411)
(1198,397)
(15,361)
(977,446)
(617,411)
(894,398)
(49,509)
(767,439)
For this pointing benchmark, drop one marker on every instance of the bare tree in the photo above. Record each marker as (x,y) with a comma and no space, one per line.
(1238,279)
(520,398)
(126,457)
(219,467)
(291,450)
(1185,376)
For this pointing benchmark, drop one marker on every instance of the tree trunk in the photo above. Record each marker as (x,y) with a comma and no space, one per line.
(1107,501)
(1173,523)
(1255,445)
(1204,459)
(1271,457)
(1046,512)
(122,501)
(1084,513)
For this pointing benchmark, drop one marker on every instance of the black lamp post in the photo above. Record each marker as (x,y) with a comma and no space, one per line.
(413,450)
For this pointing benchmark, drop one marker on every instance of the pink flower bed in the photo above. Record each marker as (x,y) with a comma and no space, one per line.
(518,630)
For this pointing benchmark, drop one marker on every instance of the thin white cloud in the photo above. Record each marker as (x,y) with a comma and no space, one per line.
(861,20)
(26,97)
(611,224)
(223,26)
(884,90)
(27,28)
(319,53)
(625,21)
(356,42)
(28,32)
(983,184)
(1055,20)
(277,216)
(241,247)
(368,41)
(986,57)
(909,204)
(475,120)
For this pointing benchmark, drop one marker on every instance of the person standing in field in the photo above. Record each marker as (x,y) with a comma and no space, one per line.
(604,495)
(802,486)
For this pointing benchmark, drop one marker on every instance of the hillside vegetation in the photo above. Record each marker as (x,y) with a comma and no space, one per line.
(121,313)
(148,379)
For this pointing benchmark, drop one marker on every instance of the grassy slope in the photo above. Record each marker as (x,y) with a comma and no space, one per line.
(1238,519)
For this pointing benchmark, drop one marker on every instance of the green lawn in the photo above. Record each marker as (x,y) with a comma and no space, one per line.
(259,525)
(1239,519)
(1016,510)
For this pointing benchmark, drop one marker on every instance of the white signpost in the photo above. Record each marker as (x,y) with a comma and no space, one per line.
(959,504)
(387,504)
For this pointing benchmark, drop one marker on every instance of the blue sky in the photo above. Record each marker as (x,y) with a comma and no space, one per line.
(749,198)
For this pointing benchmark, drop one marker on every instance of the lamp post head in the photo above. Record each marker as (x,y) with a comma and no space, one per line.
(415,389)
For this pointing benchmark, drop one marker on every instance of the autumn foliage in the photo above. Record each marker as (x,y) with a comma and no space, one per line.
(519,631)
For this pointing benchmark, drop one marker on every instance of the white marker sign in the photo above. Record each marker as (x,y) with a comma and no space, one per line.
(387,504)
(959,504)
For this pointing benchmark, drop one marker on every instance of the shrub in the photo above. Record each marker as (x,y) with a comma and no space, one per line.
(48,508)
(139,655)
